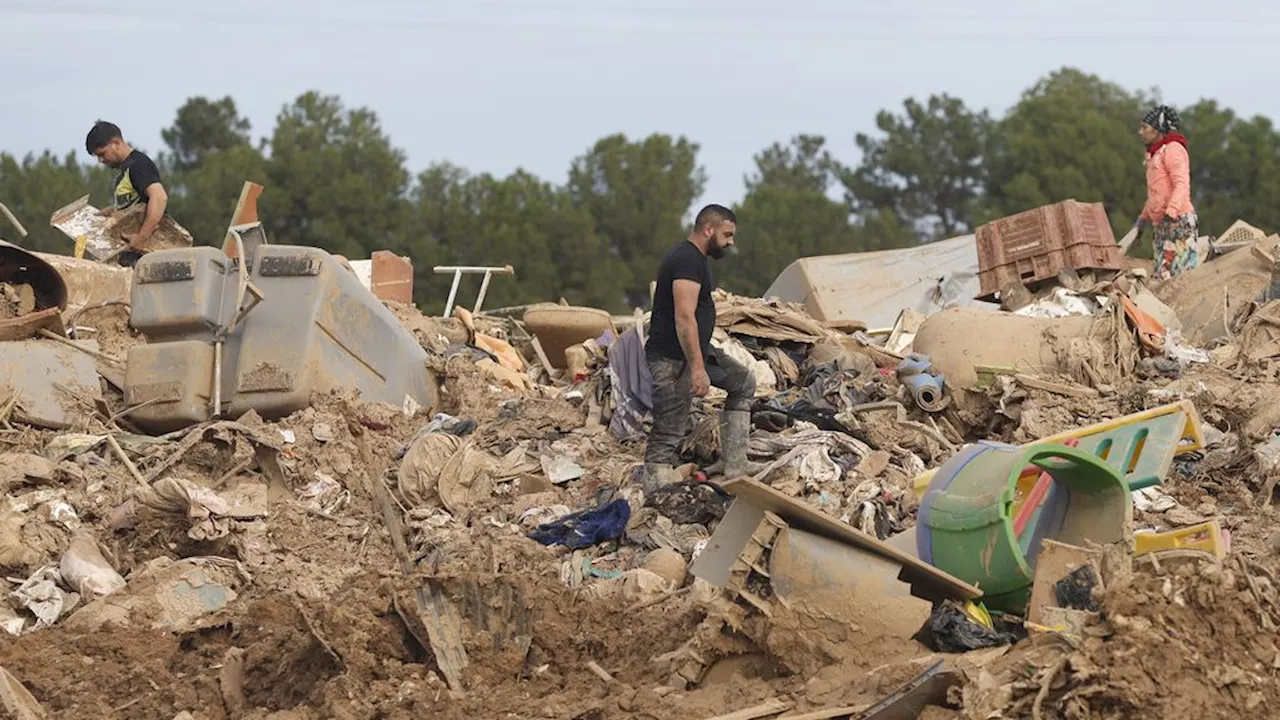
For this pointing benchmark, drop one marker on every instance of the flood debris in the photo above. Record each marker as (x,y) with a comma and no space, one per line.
(487,548)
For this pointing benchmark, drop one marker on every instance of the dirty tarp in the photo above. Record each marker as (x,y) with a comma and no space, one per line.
(769,320)
(875,286)
(444,470)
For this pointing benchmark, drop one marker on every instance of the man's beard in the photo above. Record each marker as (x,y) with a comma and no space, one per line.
(716,251)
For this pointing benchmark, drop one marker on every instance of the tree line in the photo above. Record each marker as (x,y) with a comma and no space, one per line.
(933,168)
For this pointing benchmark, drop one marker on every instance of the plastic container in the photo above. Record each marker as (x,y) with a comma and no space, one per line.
(319,329)
(178,294)
(171,383)
(966,527)
(316,329)
(561,326)
(1035,245)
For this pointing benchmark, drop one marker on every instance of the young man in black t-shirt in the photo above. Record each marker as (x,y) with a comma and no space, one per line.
(137,180)
(680,356)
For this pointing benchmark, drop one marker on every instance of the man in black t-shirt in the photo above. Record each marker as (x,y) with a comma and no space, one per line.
(137,180)
(680,356)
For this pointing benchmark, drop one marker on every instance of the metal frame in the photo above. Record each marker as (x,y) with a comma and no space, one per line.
(5,211)
(458,272)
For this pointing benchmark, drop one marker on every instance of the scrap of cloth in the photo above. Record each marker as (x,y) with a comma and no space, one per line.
(586,528)
(794,449)
(631,386)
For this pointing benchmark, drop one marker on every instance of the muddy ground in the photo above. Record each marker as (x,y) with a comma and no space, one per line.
(323,625)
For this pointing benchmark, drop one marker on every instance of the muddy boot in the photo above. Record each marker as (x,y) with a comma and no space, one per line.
(735,431)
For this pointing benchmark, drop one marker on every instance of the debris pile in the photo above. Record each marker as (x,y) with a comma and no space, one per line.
(1062,509)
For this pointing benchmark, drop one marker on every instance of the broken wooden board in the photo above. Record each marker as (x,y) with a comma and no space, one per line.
(926,581)
(1056,561)
(773,707)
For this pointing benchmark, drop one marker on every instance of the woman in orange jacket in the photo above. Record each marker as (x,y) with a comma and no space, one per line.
(1168,208)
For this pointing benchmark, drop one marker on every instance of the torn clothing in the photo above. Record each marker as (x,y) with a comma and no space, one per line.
(673,399)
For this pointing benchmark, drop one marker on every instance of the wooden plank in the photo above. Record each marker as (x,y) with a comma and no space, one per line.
(1070,390)
(927,581)
(1055,561)
(1126,242)
(434,611)
(730,537)
(773,707)
(542,358)
(827,713)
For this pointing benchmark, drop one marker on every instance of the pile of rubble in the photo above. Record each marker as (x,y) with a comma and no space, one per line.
(493,556)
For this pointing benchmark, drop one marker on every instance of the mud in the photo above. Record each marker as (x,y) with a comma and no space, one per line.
(325,624)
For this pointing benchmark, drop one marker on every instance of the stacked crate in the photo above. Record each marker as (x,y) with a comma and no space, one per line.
(1035,245)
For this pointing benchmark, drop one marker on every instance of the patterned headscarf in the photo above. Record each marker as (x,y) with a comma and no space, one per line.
(1163,118)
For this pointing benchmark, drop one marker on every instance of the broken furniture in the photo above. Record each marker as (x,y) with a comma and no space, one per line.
(459,271)
(387,275)
(874,287)
(285,323)
(965,524)
(50,384)
(559,327)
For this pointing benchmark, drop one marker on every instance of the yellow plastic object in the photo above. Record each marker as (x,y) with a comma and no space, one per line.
(81,242)
(1206,536)
(1192,437)
(977,612)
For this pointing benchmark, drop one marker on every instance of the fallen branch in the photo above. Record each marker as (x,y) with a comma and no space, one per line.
(1045,686)
(1076,391)
(46,333)
(133,469)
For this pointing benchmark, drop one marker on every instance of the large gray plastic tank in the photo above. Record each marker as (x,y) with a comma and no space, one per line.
(316,329)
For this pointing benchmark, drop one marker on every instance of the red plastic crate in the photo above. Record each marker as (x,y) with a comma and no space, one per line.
(1035,245)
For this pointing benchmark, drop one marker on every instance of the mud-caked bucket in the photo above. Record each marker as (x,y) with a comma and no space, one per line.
(965,524)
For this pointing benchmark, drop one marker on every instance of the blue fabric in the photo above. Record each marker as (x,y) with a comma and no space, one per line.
(586,528)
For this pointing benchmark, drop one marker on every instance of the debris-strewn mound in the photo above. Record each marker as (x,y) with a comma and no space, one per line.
(1186,637)
(507,554)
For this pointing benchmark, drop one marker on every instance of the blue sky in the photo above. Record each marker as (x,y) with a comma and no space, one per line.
(493,85)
